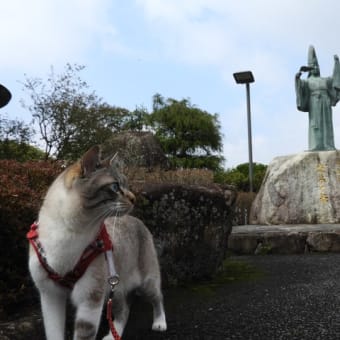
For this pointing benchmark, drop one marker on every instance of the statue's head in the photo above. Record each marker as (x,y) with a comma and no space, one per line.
(313,62)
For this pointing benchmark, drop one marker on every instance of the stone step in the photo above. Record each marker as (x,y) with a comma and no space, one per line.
(284,239)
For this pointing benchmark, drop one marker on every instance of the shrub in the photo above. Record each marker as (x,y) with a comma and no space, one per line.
(20,151)
(239,176)
(22,189)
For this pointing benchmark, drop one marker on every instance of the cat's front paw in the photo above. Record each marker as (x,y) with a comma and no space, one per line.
(159,325)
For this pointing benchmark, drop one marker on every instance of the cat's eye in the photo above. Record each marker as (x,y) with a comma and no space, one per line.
(115,187)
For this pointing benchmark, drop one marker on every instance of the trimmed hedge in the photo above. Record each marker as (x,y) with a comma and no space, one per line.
(23,186)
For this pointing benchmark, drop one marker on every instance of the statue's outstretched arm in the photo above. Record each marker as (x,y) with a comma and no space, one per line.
(303,69)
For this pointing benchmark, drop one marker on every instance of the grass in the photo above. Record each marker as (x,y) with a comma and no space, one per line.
(232,271)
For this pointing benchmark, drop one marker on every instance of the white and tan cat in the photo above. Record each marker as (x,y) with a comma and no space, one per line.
(81,198)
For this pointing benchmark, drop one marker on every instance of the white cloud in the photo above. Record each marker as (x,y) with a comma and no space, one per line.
(210,38)
(46,32)
(227,32)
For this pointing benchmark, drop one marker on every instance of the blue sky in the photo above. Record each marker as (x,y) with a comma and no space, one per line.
(180,49)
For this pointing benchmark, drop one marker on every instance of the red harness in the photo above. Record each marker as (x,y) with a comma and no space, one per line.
(101,244)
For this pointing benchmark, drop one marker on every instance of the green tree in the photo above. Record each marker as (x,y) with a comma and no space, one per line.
(15,138)
(93,125)
(239,176)
(189,136)
(135,120)
(70,117)
(21,152)
(12,129)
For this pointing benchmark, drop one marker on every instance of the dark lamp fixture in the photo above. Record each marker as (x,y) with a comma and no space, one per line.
(245,77)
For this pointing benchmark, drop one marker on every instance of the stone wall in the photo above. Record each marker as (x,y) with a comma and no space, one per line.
(190,225)
(285,239)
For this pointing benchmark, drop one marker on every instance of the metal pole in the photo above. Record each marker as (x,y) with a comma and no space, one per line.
(250,149)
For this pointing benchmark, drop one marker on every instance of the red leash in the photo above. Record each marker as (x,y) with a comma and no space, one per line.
(114,333)
(113,281)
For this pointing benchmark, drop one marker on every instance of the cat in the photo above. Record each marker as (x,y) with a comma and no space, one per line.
(81,198)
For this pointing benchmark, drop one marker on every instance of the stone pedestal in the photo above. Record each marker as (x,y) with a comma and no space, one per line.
(300,189)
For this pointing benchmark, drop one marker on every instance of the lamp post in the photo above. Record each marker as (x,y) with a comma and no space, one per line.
(247,77)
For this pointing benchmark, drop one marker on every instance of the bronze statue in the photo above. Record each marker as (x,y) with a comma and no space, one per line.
(317,95)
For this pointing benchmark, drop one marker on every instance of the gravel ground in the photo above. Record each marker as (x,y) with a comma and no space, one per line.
(296,297)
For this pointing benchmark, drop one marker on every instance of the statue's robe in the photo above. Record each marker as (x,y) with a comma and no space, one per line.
(317,95)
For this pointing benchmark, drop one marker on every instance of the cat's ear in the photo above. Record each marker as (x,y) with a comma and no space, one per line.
(71,174)
(90,161)
(109,161)
(113,159)
(87,164)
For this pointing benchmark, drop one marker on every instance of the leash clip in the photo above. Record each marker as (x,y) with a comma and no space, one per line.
(113,281)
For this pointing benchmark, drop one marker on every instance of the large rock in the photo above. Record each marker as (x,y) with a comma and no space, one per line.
(137,149)
(298,189)
(190,225)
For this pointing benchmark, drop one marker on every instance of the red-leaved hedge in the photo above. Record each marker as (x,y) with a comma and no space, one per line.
(22,188)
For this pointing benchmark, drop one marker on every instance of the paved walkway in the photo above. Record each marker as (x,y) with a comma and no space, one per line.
(294,297)
(298,297)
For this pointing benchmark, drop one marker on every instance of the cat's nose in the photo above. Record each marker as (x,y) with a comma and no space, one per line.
(131,197)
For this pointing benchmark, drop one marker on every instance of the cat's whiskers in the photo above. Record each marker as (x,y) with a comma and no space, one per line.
(99,217)
(114,223)
(120,208)
(102,212)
